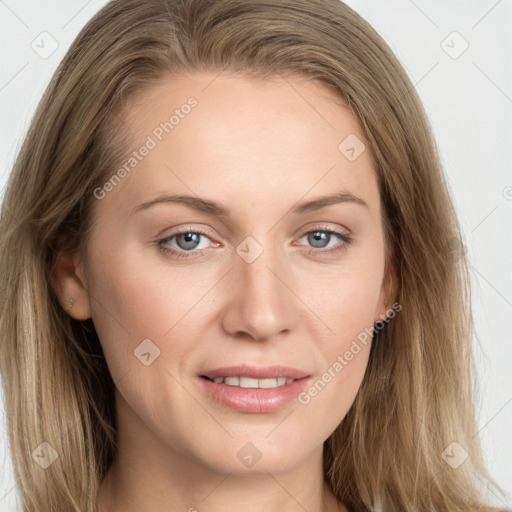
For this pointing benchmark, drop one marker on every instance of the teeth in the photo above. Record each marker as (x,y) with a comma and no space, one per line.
(249,382)
(271,383)
(232,381)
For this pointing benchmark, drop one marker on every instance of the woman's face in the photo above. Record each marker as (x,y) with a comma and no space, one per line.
(251,273)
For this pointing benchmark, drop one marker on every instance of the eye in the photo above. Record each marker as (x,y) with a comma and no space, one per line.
(320,239)
(184,243)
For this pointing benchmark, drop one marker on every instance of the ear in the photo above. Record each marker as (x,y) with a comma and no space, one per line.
(70,285)
(388,290)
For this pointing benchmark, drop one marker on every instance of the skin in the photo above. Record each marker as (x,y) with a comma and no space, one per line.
(258,149)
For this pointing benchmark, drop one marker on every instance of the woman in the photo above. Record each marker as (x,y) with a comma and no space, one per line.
(228,273)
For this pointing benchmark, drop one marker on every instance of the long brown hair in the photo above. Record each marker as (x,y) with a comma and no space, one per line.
(389,452)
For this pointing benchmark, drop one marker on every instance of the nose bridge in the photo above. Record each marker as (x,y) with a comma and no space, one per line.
(259,278)
(260,303)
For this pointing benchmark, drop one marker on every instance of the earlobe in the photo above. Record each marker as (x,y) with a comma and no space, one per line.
(69,283)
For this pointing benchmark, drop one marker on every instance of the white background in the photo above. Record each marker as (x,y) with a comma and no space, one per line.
(469,102)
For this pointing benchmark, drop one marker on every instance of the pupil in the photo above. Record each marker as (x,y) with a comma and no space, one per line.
(190,240)
(320,236)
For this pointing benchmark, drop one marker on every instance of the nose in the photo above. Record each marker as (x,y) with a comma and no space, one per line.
(260,302)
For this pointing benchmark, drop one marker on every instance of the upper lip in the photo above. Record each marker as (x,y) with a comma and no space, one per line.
(266,372)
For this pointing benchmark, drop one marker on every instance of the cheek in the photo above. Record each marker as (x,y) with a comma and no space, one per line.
(346,307)
(329,397)
(132,301)
(137,296)
(348,311)
(345,300)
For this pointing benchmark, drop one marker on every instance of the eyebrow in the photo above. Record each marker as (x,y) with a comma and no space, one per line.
(214,208)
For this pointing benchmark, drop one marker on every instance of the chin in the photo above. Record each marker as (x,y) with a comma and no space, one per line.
(252,455)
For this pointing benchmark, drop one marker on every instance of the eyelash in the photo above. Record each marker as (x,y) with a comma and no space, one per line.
(161,244)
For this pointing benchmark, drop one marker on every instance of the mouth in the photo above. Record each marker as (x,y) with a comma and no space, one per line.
(254,390)
(249,382)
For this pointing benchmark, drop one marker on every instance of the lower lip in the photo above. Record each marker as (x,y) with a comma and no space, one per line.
(254,400)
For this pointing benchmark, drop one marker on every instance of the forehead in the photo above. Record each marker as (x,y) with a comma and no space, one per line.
(255,140)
